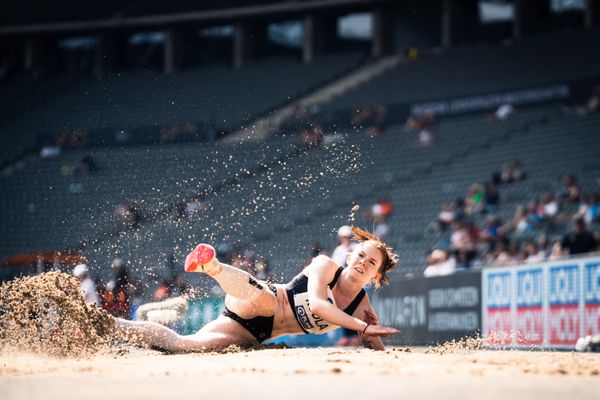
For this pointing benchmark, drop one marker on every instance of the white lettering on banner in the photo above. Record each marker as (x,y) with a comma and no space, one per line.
(407,311)
(530,326)
(466,296)
(449,321)
(499,289)
(592,283)
(564,325)
(498,327)
(591,320)
(563,285)
(517,97)
(529,287)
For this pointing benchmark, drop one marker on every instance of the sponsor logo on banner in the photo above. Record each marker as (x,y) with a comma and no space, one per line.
(529,318)
(591,296)
(563,298)
(497,311)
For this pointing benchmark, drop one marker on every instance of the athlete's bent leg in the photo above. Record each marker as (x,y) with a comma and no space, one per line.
(234,281)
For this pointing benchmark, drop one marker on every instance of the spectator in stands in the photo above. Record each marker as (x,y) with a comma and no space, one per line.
(87,285)
(570,191)
(592,212)
(491,198)
(580,240)
(383,207)
(548,208)
(511,172)
(501,255)
(474,199)
(557,252)
(520,222)
(344,247)
(128,215)
(533,254)
(462,244)
(162,291)
(116,299)
(444,219)
(542,243)
(424,125)
(492,232)
(440,263)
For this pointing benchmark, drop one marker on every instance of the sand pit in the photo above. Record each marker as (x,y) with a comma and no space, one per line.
(56,347)
(299,373)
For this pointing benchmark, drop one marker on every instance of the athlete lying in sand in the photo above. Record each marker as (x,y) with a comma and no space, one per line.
(320,299)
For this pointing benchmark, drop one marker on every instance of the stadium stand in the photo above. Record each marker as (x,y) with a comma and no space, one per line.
(146,102)
(277,198)
(416,181)
(473,70)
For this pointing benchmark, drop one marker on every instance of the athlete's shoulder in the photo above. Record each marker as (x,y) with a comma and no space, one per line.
(324,260)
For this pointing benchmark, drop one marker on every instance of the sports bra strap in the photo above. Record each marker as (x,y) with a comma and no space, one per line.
(335,278)
(352,306)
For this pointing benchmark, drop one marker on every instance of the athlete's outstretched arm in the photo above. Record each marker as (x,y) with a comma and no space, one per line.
(320,272)
(369,316)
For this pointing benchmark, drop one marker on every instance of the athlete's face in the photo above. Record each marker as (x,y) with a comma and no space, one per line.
(365,262)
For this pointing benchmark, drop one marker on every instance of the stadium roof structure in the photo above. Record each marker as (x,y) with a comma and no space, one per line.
(38,16)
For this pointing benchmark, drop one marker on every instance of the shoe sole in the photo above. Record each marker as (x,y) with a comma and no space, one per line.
(196,261)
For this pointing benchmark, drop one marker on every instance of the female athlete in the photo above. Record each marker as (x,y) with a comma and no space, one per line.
(321,298)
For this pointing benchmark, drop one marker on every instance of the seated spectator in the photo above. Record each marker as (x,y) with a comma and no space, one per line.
(383,207)
(511,172)
(557,252)
(474,199)
(162,291)
(462,244)
(533,254)
(444,219)
(345,246)
(520,222)
(508,254)
(87,285)
(542,243)
(492,232)
(570,191)
(580,240)
(440,264)
(548,208)
(491,198)
(127,214)
(425,138)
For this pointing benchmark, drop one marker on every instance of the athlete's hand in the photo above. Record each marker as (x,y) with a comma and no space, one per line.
(380,330)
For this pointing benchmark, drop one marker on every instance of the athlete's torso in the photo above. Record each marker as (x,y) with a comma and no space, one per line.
(294,314)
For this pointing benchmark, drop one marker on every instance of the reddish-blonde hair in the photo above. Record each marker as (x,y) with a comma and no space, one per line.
(390,259)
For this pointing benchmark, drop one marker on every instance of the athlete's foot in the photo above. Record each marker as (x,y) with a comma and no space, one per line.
(203,259)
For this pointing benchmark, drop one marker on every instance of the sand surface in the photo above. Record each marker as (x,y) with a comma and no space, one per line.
(301,373)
